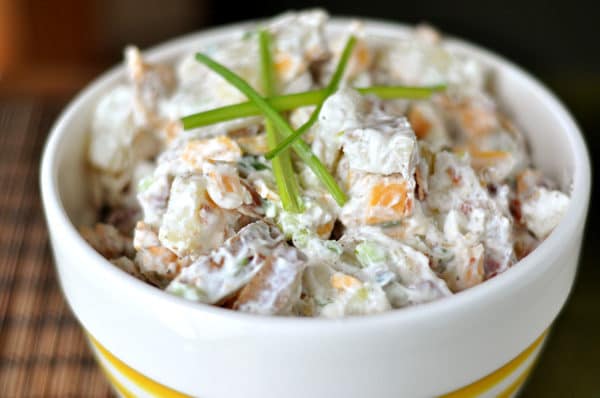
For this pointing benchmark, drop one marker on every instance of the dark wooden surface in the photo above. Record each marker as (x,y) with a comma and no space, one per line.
(42,350)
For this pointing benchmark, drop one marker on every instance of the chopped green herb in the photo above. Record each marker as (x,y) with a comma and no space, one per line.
(300,238)
(144,183)
(389,224)
(369,253)
(249,164)
(322,303)
(362,293)
(333,246)
(258,166)
(248,35)
(243,262)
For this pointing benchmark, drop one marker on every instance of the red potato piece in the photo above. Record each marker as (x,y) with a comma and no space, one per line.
(219,276)
(524,242)
(276,286)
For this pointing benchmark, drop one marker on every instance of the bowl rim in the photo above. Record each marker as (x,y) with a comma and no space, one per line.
(528,268)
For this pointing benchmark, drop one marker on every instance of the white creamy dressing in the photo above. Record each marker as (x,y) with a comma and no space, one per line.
(441,192)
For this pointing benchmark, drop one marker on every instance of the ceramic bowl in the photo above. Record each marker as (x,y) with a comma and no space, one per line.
(481,342)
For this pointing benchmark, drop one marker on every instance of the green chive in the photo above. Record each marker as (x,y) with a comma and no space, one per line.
(300,147)
(331,88)
(405,92)
(287,184)
(292,101)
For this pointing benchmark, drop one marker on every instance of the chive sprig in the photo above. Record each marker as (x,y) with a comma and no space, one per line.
(299,146)
(330,89)
(280,135)
(283,171)
(288,102)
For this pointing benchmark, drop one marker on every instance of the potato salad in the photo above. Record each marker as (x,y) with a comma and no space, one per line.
(340,174)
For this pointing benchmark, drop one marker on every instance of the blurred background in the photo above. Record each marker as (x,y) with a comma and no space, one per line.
(50,49)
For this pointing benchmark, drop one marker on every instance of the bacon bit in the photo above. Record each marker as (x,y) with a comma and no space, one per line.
(256,199)
(228,302)
(456,178)
(420,191)
(342,282)
(216,264)
(491,267)
(419,123)
(515,210)
(252,210)
(466,208)
(337,230)
(474,272)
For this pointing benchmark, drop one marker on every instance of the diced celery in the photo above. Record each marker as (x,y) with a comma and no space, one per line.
(144,183)
(369,253)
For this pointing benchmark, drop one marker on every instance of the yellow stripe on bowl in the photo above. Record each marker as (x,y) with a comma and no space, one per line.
(116,384)
(148,385)
(519,381)
(485,384)
(476,389)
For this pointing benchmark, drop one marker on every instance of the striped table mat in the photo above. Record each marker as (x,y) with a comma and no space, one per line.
(42,349)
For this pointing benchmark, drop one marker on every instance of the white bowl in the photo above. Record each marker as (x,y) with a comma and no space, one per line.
(481,342)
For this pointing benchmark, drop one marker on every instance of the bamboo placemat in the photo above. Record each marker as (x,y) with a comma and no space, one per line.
(42,350)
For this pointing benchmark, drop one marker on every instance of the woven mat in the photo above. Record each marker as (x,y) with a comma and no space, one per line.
(42,350)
